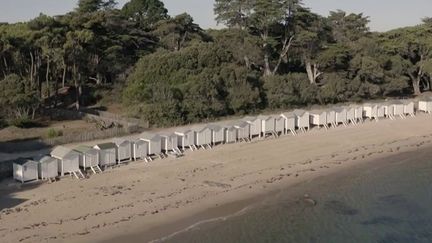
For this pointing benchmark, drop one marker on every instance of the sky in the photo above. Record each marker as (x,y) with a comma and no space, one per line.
(384,14)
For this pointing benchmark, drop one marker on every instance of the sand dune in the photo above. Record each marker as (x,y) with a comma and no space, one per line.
(140,196)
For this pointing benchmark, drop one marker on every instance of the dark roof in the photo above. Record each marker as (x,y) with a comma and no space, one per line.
(22,161)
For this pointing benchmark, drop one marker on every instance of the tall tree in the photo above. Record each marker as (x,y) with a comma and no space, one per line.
(233,13)
(146,13)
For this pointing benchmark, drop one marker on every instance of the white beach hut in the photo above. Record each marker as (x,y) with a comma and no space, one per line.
(359,113)
(243,130)
(255,126)
(341,116)
(425,105)
(388,109)
(25,170)
(302,120)
(89,158)
(231,133)
(280,125)
(154,142)
(107,154)
(124,149)
(267,125)
(203,137)
(370,111)
(350,114)
(289,122)
(381,111)
(318,118)
(186,139)
(217,134)
(331,118)
(47,167)
(170,143)
(140,150)
(398,109)
(68,161)
(409,109)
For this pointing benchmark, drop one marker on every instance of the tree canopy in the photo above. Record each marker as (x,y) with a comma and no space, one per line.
(271,54)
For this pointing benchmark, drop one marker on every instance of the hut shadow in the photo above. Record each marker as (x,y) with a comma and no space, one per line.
(23,145)
(9,187)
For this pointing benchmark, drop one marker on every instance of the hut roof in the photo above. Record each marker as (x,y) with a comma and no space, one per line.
(139,142)
(150,136)
(427,98)
(61,152)
(214,127)
(339,109)
(288,114)
(45,159)
(104,146)
(23,161)
(120,141)
(299,112)
(84,149)
(317,112)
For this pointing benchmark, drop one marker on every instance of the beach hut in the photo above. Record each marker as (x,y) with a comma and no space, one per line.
(302,120)
(370,111)
(217,133)
(255,126)
(408,108)
(425,105)
(186,139)
(140,150)
(331,118)
(154,142)
(350,114)
(280,125)
(267,125)
(25,170)
(203,137)
(318,118)
(398,109)
(289,122)
(170,143)
(124,149)
(47,167)
(341,116)
(231,133)
(359,113)
(381,111)
(68,161)
(89,158)
(243,130)
(388,109)
(107,154)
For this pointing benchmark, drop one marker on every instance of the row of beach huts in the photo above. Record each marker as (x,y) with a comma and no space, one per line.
(148,146)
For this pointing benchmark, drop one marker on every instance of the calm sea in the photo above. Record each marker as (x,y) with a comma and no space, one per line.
(385,201)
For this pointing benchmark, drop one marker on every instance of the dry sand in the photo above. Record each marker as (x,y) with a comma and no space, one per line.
(139,197)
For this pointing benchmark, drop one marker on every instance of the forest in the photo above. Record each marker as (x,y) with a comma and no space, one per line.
(269,55)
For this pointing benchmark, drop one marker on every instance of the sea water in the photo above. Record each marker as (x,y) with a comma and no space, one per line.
(388,200)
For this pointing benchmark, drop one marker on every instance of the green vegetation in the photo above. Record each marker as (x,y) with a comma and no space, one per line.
(274,54)
(52,133)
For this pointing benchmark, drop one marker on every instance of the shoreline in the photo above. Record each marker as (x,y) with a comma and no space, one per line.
(143,197)
(230,210)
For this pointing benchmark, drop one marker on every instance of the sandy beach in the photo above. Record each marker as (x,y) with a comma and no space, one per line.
(142,197)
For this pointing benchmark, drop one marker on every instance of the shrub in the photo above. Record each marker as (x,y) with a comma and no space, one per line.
(52,133)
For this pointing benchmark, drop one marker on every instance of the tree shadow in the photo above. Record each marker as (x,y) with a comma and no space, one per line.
(23,145)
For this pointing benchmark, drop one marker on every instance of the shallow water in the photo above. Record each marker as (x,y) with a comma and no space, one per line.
(389,200)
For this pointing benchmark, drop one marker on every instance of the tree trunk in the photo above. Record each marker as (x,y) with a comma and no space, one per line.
(47,77)
(312,72)
(77,87)
(64,74)
(31,68)
(416,86)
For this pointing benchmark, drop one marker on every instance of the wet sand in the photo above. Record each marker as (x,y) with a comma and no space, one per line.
(142,197)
